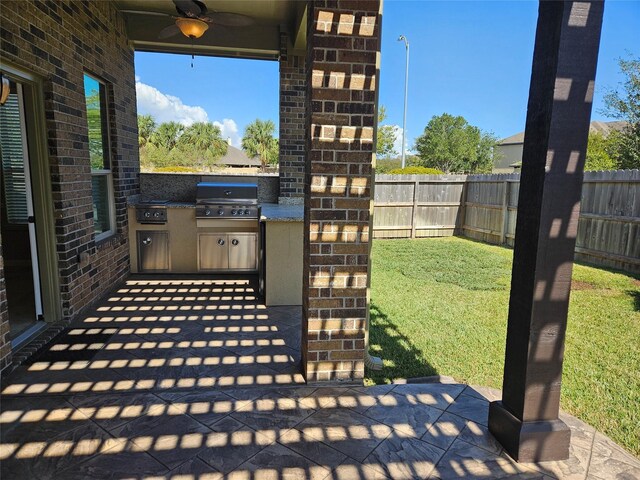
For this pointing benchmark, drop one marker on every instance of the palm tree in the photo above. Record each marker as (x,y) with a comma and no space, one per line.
(204,137)
(167,135)
(146,127)
(258,141)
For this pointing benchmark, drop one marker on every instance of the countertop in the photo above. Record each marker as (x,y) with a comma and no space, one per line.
(275,212)
(180,205)
(269,212)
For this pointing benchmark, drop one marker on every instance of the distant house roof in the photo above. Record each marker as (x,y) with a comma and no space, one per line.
(237,158)
(517,138)
(604,128)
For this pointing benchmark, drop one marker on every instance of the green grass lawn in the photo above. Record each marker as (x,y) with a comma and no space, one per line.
(439,306)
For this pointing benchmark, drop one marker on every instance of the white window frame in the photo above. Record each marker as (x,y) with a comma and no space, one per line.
(107,172)
(110,199)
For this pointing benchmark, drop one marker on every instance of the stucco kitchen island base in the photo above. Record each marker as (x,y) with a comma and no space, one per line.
(283,253)
(182,239)
(183,234)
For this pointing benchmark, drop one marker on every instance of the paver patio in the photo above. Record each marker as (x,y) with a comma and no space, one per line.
(194,379)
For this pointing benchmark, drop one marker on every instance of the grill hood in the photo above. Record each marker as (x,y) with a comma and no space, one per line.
(226,193)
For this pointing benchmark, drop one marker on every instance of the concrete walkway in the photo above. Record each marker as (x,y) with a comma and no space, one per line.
(194,379)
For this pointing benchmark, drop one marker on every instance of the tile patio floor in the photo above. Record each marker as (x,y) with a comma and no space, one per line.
(199,381)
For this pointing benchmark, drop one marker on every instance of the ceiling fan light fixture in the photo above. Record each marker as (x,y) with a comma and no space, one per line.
(191,27)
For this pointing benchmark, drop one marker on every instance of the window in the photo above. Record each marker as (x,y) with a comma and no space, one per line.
(101,177)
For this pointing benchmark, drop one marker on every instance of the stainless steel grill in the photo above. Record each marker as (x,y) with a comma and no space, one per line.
(227,200)
(227,221)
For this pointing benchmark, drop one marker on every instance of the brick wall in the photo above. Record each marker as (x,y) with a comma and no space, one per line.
(293,88)
(59,41)
(342,56)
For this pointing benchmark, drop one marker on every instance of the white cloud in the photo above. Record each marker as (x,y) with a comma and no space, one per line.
(167,108)
(229,129)
(397,145)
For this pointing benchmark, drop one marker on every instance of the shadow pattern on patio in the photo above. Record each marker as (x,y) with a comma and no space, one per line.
(198,381)
(172,333)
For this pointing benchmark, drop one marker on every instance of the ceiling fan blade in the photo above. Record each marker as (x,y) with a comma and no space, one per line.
(190,8)
(229,19)
(169,31)
(142,12)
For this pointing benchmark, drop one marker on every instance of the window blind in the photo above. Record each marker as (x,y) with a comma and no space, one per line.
(12,149)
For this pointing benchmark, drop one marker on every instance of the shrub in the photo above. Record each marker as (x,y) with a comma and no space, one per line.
(385,165)
(174,169)
(414,170)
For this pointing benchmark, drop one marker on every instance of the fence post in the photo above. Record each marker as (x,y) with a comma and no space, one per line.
(414,210)
(463,206)
(505,212)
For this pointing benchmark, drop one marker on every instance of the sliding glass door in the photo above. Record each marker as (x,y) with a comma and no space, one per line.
(19,242)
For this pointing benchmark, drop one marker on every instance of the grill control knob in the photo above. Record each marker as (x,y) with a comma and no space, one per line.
(220,212)
(147,214)
(156,215)
(233,212)
(246,212)
(240,212)
(207,212)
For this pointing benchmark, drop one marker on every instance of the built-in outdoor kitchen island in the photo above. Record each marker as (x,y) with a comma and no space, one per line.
(217,225)
(281,228)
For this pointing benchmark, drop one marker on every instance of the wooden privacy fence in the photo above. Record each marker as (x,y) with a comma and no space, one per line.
(484,207)
(417,205)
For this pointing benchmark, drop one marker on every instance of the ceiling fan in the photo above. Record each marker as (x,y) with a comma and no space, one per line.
(194,18)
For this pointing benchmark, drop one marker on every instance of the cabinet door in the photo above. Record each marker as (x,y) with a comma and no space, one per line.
(213,251)
(153,251)
(242,251)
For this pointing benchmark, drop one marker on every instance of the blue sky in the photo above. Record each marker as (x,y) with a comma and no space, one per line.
(466,58)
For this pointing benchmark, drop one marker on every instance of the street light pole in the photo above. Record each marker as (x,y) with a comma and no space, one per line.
(406,87)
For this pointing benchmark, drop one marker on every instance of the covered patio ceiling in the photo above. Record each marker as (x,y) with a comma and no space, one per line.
(261,40)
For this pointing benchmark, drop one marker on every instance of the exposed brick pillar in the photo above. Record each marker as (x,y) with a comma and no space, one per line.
(343,44)
(559,110)
(293,89)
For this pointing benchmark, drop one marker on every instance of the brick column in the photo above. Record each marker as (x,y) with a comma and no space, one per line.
(343,45)
(293,89)
(560,97)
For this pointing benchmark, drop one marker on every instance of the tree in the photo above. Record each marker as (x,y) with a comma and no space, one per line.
(450,144)
(146,127)
(96,129)
(167,135)
(599,153)
(626,147)
(203,137)
(386,136)
(487,153)
(259,141)
(624,104)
